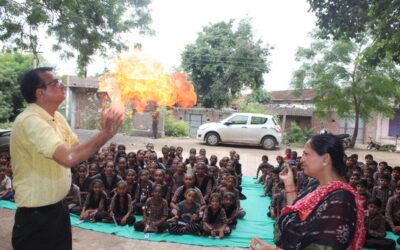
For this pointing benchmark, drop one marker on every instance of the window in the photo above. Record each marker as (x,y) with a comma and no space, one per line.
(258,120)
(239,119)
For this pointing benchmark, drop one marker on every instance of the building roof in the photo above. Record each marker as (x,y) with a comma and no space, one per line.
(78,82)
(286,95)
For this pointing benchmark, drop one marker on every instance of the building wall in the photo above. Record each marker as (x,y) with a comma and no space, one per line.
(331,123)
(86,108)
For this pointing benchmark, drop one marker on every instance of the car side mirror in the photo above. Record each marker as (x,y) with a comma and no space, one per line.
(228,123)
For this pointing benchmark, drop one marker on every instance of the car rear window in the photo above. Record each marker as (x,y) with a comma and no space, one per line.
(258,120)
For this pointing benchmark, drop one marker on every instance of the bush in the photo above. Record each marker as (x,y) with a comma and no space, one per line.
(175,128)
(297,136)
(6,125)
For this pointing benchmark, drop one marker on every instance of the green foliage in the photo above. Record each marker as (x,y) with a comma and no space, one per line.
(80,27)
(12,67)
(222,62)
(256,108)
(6,125)
(92,118)
(345,19)
(175,128)
(346,83)
(297,136)
(258,96)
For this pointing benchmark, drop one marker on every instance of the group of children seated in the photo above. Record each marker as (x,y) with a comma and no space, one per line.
(378,185)
(182,196)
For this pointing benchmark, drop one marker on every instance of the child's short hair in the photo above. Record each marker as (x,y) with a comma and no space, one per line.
(396,169)
(121,146)
(354,156)
(169,171)
(215,196)
(373,163)
(377,202)
(363,183)
(130,170)
(383,163)
(388,168)
(385,177)
(264,157)
(232,177)
(229,194)
(357,168)
(190,190)
(368,156)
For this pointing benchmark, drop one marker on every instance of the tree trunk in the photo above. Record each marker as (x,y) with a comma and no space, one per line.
(355,132)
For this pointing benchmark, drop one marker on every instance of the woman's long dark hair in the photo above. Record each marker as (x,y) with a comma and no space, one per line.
(232,207)
(93,203)
(330,144)
(212,218)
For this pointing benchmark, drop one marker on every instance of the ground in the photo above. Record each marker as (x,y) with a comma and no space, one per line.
(250,157)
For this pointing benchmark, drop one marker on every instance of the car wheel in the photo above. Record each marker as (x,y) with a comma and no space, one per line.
(212,139)
(268,142)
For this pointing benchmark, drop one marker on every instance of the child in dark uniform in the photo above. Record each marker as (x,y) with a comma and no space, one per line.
(143,192)
(155,213)
(95,206)
(121,206)
(214,219)
(186,221)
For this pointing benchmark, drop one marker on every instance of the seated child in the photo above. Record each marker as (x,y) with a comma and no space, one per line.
(190,167)
(143,191)
(73,199)
(179,194)
(155,213)
(393,211)
(212,174)
(159,177)
(202,181)
(179,151)
(122,165)
(383,191)
(192,152)
(263,165)
(354,179)
(233,212)
(278,201)
(202,152)
(375,227)
(95,206)
(131,181)
(6,192)
(213,161)
(82,181)
(120,210)
(214,219)
(108,177)
(186,220)
(179,176)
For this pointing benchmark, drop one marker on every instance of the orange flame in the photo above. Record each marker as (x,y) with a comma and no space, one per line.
(137,81)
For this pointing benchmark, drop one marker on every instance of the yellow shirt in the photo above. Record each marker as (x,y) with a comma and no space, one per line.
(38,179)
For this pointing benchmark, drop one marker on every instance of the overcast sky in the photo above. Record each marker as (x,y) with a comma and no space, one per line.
(284,24)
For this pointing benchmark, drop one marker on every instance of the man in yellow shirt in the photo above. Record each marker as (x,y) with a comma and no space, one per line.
(43,149)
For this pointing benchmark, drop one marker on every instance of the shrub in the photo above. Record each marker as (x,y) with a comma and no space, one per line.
(296,135)
(175,128)
(6,125)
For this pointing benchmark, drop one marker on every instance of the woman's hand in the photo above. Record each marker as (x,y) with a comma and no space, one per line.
(286,175)
(257,244)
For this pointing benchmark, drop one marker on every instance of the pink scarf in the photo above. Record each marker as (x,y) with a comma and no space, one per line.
(307,204)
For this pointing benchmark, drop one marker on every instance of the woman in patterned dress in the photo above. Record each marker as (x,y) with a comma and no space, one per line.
(328,213)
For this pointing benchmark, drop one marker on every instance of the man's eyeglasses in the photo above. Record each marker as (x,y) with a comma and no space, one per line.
(56,82)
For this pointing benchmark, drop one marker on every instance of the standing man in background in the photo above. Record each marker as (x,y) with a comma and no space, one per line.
(43,149)
(155,116)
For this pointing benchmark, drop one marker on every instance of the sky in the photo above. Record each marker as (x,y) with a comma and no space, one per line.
(283,24)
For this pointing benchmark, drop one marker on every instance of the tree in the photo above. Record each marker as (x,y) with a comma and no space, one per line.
(222,62)
(12,67)
(345,19)
(83,26)
(258,96)
(344,82)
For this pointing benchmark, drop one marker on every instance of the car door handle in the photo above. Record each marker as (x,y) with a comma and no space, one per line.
(263,127)
(244,127)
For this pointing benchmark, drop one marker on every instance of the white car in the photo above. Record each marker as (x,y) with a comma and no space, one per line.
(242,128)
